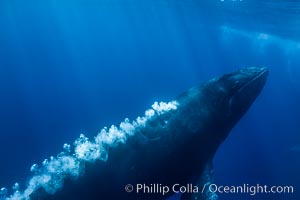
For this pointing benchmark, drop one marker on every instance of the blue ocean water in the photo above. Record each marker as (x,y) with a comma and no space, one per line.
(71,67)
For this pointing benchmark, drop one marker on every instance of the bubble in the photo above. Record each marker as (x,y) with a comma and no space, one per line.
(71,161)
(3,193)
(45,162)
(104,155)
(34,168)
(17,193)
(16,187)
(163,123)
(67,147)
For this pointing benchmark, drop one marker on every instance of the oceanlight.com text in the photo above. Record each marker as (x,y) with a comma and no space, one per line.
(248,189)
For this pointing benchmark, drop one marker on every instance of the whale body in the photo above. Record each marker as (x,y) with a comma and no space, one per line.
(175,147)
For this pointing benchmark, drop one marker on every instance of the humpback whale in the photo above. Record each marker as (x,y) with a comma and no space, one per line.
(174,147)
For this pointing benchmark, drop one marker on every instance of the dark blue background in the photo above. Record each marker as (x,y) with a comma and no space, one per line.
(76,66)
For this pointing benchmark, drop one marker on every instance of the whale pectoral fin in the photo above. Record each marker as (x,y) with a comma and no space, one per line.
(203,183)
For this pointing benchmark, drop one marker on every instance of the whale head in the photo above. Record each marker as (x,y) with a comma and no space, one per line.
(219,103)
(238,90)
(244,86)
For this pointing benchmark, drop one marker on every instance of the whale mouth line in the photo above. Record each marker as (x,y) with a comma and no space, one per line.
(263,71)
(255,77)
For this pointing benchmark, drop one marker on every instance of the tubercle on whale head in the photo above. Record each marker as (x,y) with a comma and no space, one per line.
(234,93)
(248,84)
(243,86)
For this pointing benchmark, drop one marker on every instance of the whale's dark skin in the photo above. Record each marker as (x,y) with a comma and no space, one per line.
(173,147)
